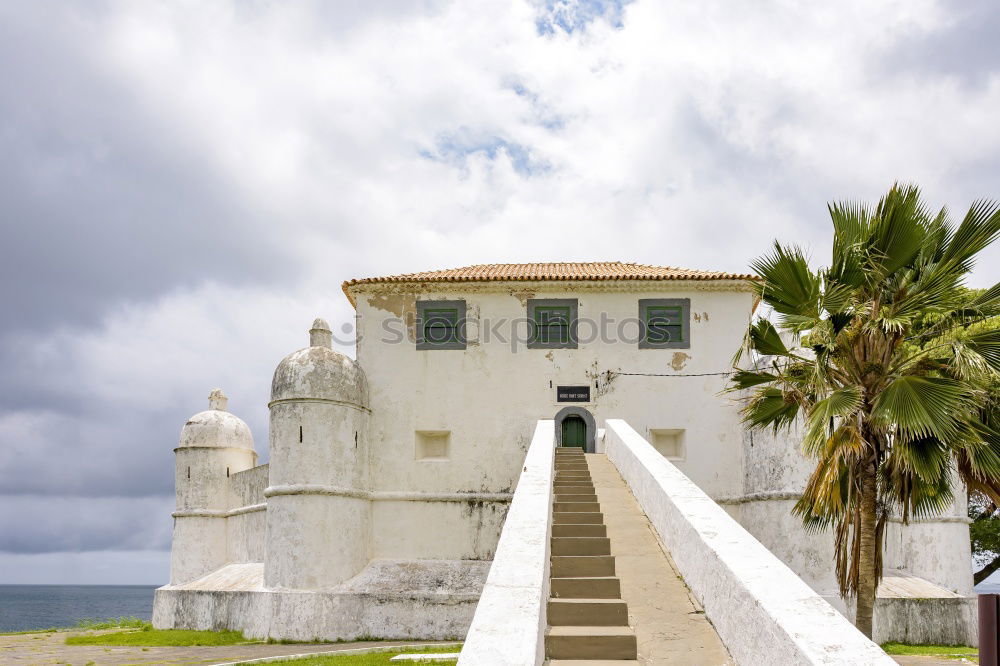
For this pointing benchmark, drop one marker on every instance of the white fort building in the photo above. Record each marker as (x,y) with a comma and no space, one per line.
(389,490)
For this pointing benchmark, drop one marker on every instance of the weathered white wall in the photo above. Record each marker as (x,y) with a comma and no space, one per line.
(738,581)
(489,396)
(509,626)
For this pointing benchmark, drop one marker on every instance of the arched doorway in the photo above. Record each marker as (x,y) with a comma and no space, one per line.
(575,426)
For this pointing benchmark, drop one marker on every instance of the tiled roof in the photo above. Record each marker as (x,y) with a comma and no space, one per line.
(598,270)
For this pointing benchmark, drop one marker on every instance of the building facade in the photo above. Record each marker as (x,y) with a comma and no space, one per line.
(390,475)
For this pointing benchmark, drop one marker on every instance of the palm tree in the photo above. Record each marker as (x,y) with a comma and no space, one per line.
(884,370)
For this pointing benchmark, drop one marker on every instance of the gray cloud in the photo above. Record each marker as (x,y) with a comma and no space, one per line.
(964,46)
(44,524)
(182,192)
(100,201)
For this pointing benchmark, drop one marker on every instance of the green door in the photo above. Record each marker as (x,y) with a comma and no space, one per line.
(574,432)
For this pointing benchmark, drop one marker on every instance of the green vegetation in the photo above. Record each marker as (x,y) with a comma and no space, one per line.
(50,630)
(370,658)
(149,637)
(946,651)
(888,360)
(113,623)
(89,624)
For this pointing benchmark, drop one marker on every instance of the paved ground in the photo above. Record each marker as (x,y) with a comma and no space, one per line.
(670,627)
(51,648)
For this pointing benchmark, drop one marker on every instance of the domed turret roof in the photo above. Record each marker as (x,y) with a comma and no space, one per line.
(319,372)
(216,427)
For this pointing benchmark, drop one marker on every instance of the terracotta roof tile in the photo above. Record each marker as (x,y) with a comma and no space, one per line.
(599,270)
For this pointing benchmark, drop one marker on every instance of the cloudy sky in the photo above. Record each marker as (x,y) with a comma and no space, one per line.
(185,185)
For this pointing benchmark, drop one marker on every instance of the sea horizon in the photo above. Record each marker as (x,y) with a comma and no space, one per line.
(31,606)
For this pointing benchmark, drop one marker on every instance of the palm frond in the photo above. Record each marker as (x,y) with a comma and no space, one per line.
(770,408)
(789,286)
(765,339)
(979,228)
(918,407)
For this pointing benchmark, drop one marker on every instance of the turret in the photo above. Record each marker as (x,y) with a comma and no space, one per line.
(318,508)
(214,444)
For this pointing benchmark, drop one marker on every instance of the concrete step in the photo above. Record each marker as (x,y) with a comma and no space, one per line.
(569,450)
(579,531)
(572,466)
(578,488)
(581,546)
(566,476)
(590,643)
(575,507)
(575,497)
(587,612)
(582,566)
(577,518)
(586,587)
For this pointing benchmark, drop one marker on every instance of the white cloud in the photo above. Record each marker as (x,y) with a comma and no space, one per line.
(408,137)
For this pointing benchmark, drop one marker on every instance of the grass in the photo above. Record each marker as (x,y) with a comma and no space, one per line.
(947,651)
(88,624)
(368,659)
(146,636)
(94,624)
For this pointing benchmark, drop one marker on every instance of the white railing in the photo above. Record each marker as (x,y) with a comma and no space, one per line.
(508,628)
(762,611)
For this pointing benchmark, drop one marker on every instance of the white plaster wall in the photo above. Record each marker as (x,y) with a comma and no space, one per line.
(199,546)
(938,550)
(315,541)
(489,397)
(245,540)
(318,513)
(739,582)
(247,487)
(465,530)
(509,626)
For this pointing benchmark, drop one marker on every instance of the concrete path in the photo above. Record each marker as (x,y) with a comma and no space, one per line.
(51,648)
(669,625)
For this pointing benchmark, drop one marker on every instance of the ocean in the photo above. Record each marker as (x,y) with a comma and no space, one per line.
(24,607)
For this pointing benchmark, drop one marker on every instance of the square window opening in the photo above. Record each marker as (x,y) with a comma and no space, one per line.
(669,442)
(433,445)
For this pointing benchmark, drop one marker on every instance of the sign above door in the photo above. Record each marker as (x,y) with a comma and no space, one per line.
(573,393)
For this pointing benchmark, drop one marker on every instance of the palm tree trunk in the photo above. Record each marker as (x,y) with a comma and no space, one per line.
(867,579)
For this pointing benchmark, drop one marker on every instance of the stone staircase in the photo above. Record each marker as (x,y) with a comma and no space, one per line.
(588,621)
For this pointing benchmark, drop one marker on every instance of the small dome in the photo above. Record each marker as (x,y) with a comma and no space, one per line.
(216,427)
(320,372)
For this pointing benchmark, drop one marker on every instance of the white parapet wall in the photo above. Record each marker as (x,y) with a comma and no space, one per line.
(762,611)
(508,628)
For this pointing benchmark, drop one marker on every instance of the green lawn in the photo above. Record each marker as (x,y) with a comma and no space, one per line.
(149,637)
(946,651)
(369,659)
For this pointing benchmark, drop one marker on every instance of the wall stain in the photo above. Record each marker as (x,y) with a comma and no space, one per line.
(679,360)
